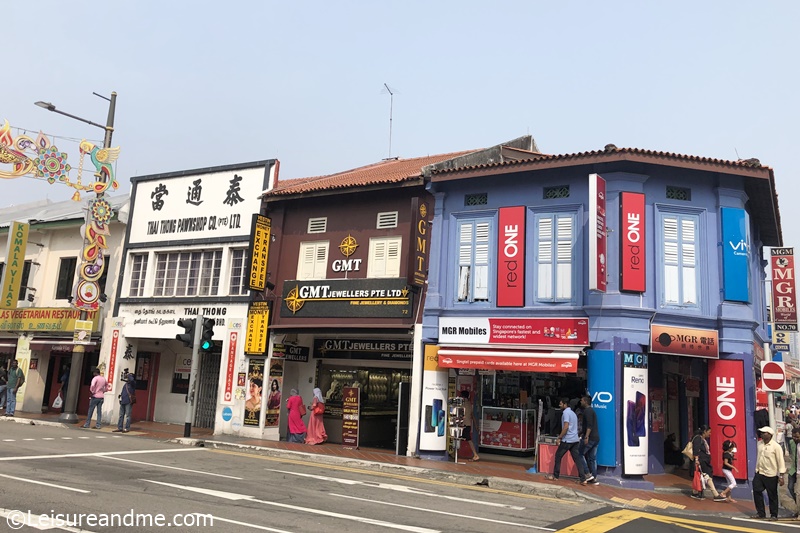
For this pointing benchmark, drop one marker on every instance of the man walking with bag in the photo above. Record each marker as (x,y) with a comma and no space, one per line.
(770,468)
(568,441)
(15,380)
(126,400)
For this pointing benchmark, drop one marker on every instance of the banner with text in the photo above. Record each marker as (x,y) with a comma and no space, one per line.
(635,412)
(784,302)
(727,414)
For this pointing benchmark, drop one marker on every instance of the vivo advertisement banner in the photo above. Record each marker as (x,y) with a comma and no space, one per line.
(635,413)
(603,388)
(735,255)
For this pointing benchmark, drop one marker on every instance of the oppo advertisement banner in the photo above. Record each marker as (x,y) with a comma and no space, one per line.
(635,413)
(603,388)
(632,267)
(511,257)
(726,411)
(735,255)
(433,422)
(597,233)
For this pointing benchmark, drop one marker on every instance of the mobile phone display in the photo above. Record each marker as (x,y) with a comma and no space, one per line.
(440,426)
(641,410)
(435,408)
(428,418)
(630,424)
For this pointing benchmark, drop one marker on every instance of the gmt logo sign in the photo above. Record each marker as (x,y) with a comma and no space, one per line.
(784,300)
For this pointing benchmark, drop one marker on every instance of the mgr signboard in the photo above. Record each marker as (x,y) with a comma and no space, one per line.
(350,298)
(784,304)
(684,341)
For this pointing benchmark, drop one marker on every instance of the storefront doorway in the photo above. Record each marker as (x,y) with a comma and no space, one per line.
(146,372)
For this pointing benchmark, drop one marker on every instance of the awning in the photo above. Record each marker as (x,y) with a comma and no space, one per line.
(512,360)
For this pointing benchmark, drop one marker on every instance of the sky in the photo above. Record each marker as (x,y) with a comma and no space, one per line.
(204,83)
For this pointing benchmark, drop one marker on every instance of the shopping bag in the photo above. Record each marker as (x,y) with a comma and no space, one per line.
(58,402)
(688,451)
(697,481)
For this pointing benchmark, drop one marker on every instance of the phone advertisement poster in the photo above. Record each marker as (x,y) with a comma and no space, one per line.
(634,412)
(434,403)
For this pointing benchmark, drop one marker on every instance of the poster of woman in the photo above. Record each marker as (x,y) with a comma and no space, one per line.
(275,384)
(255,387)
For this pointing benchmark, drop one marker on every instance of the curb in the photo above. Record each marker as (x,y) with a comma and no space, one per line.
(32,422)
(497,483)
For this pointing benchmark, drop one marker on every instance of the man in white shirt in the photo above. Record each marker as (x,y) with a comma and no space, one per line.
(770,470)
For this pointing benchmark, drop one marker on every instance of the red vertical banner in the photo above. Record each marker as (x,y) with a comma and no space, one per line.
(633,244)
(230,367)
(112,359)
(726,412)
(511,257)
(598,254)
(784,303)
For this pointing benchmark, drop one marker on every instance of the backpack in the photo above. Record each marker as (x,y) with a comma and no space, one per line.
(131,393)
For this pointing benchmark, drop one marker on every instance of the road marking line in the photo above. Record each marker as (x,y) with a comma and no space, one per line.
(263,528)
(170,467)
(237,497)
(9,440)
(48,438)
(66,438)
(28,439)
(610,521)
(97,454)
(397,488)
(429,510)
(62,487)
(398,476)
(83,437)
(101,437)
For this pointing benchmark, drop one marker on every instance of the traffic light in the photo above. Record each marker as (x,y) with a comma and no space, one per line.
(187,337)
(208,333)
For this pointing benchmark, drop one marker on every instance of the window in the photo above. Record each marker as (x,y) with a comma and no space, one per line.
(679,246)
(679,193)
(384,257)
(387,220)
(318,225)
(239,282)
(313,260)
(555,245)
(476,199)
(188,273)
(26,276)
(473,260)
(562,191)
(138,274)
(66,277)
(101,283)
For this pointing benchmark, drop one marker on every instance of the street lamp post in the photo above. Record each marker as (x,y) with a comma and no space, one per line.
(71,401)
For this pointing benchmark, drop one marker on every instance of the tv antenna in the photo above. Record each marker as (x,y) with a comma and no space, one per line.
(391,92)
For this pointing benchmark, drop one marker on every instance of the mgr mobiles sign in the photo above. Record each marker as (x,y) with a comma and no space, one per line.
(511,257)
(784,304)
(632,262)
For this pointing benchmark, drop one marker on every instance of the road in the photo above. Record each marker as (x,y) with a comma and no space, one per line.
(104,482)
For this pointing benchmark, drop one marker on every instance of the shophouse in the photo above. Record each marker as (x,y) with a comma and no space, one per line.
(186,253)
(633,275)
(39,326)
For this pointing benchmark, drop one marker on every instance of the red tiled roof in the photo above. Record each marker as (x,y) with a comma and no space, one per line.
(383,172)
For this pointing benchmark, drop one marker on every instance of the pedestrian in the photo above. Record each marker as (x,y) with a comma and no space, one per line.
(590,440)
(97,390)
(568,441)
(790,458)
(297,428)
(469,423)
(316,427)
(728,468)
(64,380)
(3,386)
(15,380)
(770,470)
(127,397)
(702,459)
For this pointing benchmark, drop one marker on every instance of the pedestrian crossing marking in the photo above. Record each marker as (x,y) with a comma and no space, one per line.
(610,521)
(636,502)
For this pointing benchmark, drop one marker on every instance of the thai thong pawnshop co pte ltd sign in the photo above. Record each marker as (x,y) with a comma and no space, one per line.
(347,298)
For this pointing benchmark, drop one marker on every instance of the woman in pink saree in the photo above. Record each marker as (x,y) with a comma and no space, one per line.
(316,429)
(297,429)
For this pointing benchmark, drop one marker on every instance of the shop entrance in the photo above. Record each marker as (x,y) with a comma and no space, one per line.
(146,372)
(60,366)
(207,384)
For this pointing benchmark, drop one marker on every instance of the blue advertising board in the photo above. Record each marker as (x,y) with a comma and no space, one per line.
(735,255)
(603,389)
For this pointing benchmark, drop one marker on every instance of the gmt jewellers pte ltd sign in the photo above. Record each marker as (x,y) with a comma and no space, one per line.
(347,298)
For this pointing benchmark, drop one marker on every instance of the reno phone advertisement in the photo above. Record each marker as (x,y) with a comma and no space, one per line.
(635,414)
(434,403)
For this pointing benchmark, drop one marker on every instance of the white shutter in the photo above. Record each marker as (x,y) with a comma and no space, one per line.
(564,258)
(393,257)
(318,225)
(387,220)
(312,261)
(481,282)
(689,261)
(321,261)
(671,269)
(544,259)
(464,260)
(384,257)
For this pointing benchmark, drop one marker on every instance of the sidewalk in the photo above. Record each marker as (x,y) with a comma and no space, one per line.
(672,491)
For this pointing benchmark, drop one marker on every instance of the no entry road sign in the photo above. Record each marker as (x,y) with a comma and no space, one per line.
(773,376)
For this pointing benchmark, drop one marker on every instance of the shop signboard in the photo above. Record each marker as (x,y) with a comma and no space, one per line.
(112,355)
(684,341)
(735,255)
(260,238)
(45,319)
(254,393)
(784,303)
(351,414)
(149,321)
(420,242)
(633,246)
(347,298)
(433,418)
(289,352)
(14,264)
(230,364)
(365,349)
(274,385)
(635,412)
(509,360)
(514,331)
(257,325)
(511,257)
(602,384)
(598,253)
(727,415)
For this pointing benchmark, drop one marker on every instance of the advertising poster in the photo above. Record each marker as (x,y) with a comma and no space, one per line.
(433,419)
(784,306)
(511,257)
(635,413)
(632,267)
(598,253)
(531,331)
(351,416)
(255,386)
(727,415)
(274,388)
(735,255)
(603,388)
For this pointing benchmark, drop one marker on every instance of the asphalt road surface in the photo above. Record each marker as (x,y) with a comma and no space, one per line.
(76,480)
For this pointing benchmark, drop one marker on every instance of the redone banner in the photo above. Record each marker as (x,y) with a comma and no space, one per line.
(726,411)
(784,304)
(633,248)
(511,257)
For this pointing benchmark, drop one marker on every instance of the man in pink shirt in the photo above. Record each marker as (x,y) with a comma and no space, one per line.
(97,390)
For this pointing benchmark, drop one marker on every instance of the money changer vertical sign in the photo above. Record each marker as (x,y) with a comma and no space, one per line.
(634,412)
(259,252)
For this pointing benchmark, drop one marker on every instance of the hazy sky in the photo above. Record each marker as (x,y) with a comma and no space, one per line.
(213,83)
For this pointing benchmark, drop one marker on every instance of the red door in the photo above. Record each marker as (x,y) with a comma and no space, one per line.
(146,381)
